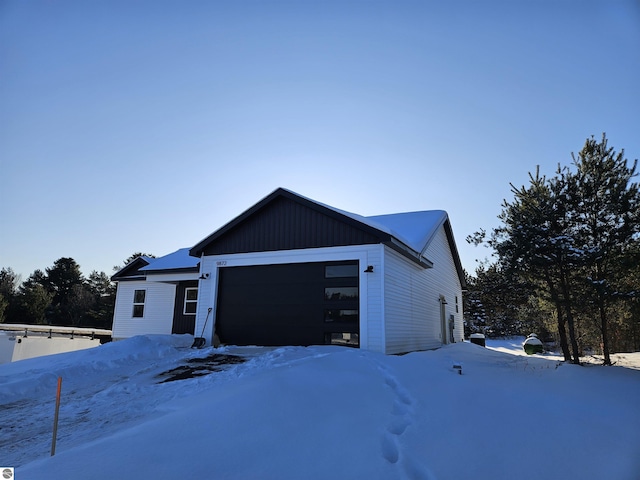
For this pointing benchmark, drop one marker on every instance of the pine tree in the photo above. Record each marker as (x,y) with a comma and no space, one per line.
(9,281)
(534,242)
(606,217)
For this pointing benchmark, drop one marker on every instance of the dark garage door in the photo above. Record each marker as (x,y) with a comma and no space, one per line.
(289,304)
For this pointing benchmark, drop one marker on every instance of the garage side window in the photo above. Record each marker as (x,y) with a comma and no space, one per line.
(341,304)
(341,271)
(138,303)
(341,293)
(190,300)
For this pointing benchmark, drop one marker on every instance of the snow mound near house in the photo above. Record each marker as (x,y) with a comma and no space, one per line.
(323,412)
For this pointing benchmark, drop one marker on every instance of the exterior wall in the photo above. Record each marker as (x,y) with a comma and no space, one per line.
(445,281)
(158,309)
(371,321)
(412,298)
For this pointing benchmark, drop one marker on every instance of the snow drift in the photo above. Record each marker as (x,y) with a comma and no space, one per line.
(319,412)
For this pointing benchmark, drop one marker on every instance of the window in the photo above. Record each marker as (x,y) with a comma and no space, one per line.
(341,293)
(190,300)
(138,303)
(456,304)
(341,316)
(340,271)
(345,339)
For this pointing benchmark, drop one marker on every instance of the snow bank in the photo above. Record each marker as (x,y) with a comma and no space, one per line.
(332,412)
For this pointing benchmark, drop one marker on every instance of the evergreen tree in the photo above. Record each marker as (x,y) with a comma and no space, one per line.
(104,294)
(534,243)
(77,305)
(497,302)
(9,281)
(34,301)
(61,278)
(606,217)
(575,240)
(65,282)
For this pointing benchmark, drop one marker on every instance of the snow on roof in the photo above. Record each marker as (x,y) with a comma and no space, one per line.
(176,260)
(415,229)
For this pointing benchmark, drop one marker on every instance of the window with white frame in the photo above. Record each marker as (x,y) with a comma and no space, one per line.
(138,303)
(190,300)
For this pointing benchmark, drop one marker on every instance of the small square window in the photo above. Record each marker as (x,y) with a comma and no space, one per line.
(190,300)
(191,294)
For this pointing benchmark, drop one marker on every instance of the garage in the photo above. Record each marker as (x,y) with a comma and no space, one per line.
(289,304)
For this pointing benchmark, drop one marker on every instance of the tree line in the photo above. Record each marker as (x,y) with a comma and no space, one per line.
(59,295)
(567,258)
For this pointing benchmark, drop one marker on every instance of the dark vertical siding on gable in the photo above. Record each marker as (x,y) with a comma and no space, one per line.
(287,225)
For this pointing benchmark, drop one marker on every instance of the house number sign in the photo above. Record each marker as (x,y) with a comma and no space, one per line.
(221,263)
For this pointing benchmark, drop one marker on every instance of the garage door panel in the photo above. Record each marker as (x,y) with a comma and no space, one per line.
(281,304)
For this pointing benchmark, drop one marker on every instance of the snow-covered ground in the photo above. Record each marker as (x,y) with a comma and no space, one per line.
(320,413)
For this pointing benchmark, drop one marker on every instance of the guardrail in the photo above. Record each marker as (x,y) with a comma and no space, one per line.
(59,330)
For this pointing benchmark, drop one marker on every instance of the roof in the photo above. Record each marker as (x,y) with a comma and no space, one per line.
(131,270)
(178,260)
(138,268)
(418,229)
(415,229)
(409,232)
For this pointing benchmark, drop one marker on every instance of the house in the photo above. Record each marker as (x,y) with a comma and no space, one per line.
(293,271)
(156,295)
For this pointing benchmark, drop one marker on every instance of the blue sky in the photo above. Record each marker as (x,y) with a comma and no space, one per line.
(146,125)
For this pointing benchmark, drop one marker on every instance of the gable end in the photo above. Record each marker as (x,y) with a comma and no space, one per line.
(287,222)
(131,271)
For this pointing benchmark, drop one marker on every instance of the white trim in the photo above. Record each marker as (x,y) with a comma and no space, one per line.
(383,296)
(213,263)
(172,277)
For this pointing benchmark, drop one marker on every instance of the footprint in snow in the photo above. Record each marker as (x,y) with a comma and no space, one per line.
(401,419)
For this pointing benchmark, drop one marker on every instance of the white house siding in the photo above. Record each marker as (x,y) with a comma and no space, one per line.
(446,282)
(412,298)
(371,321)
(158,309)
